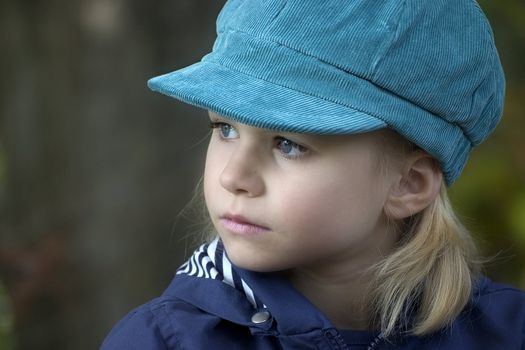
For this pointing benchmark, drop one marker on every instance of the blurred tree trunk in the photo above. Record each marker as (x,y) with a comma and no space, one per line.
(97,166)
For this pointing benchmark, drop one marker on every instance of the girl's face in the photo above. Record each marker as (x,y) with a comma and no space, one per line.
(284,200)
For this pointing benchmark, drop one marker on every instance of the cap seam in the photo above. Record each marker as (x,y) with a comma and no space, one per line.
(386,48)
(327,63)
(302,92)
(460,127)
(285,2)
(233,30)
(295,50)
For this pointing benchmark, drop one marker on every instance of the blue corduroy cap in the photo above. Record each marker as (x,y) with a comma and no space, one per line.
(427,69)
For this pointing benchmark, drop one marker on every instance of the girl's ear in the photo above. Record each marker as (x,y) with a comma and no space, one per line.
(416,188)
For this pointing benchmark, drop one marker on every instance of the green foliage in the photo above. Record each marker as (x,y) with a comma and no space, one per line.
(517,218)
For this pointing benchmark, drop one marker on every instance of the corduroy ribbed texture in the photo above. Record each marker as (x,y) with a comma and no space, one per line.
(428,69)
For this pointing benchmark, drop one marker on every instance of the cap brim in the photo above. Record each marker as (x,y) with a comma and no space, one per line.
(260,103)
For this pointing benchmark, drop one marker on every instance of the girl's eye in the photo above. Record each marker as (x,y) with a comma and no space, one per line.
(226,131)
(290,149)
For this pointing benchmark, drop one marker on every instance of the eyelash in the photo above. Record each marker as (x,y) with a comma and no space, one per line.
(301,149)
(279,141)
(218,126)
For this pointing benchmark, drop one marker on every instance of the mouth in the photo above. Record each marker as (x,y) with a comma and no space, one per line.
(240,225)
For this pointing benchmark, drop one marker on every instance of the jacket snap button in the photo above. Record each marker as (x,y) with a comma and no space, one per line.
(260,317)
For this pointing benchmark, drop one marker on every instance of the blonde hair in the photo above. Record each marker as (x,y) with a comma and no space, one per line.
(427,280)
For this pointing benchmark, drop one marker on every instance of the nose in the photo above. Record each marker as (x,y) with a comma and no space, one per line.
(241,175)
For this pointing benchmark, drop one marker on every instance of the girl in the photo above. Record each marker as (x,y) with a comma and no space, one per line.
(337,126)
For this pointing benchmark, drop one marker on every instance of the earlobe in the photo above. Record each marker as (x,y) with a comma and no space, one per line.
(416,189)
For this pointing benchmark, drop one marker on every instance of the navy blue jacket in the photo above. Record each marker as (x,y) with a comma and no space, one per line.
(213,305)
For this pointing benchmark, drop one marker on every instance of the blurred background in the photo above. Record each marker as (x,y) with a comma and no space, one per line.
(94,168)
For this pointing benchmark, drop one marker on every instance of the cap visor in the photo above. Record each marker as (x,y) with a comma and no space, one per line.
(260,103)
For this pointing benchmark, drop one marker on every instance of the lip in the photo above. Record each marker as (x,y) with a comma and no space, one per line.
(240,225)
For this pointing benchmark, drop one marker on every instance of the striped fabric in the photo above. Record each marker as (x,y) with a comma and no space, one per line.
(210,261)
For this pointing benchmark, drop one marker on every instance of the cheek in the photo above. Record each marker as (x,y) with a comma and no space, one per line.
(212,171)
(327,209)
(348,203)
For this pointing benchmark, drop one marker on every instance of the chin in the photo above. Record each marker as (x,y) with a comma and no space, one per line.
(249,263)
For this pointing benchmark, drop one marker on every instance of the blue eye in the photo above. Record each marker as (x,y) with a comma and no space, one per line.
(226,131)
(290,149)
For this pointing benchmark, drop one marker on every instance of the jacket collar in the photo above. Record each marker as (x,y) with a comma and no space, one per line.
(210,282)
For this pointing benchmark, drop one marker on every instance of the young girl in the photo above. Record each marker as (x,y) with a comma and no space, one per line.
(337,126)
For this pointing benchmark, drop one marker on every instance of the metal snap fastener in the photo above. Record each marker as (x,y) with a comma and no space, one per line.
(260,317)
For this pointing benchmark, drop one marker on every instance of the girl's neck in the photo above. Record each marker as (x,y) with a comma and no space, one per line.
(341,286)
(342,297)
